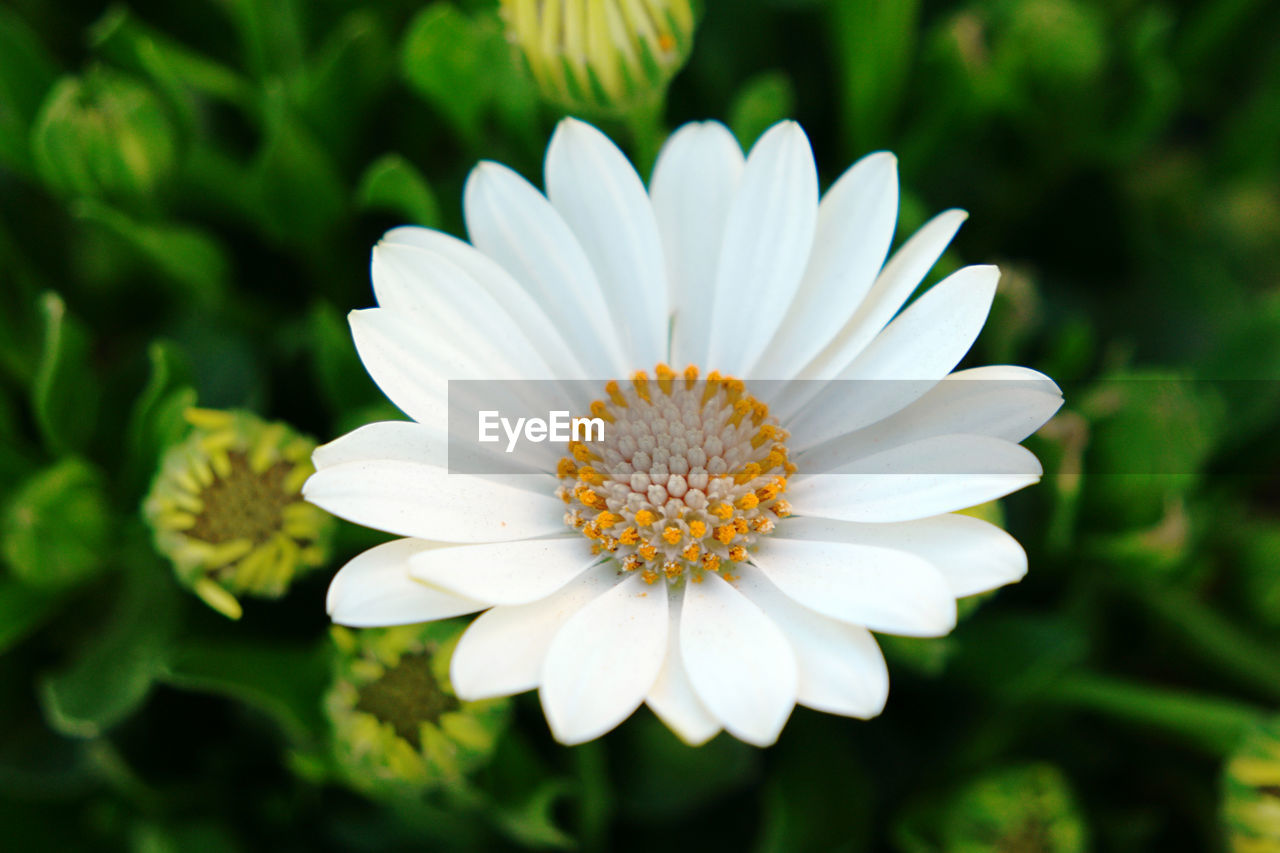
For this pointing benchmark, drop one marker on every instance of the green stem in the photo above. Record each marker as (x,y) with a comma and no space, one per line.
(1208,722)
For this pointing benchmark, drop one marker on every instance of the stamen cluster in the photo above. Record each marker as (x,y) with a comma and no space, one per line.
(689,473)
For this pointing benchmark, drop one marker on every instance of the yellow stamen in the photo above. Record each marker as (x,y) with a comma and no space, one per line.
(641,383)
(600,410)
(665,376)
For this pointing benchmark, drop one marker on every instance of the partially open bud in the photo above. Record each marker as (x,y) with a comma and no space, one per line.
(602,55)
(104,135)
(226,507)
(1251,802)
(397,724)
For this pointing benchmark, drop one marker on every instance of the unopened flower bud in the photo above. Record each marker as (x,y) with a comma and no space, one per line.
(104,135)
(601,55)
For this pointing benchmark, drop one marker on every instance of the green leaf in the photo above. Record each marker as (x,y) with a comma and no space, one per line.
(185,256)
(270,35)
(763,101)
(349,73)
(64,394)
(393,184)
(343,381)
(156,421)
(128,43)
(875,44)
(57,526)
(1152,433)
(117,665)
(299,191)
(286,683)
(26,73)
(22,609)
(465,67)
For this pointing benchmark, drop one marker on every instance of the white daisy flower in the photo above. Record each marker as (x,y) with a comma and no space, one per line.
(686,562)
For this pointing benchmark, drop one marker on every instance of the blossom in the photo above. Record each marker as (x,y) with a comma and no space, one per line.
(226,508)
(727,550)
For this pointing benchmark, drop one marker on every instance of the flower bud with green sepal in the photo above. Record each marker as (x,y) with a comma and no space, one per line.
(397,725)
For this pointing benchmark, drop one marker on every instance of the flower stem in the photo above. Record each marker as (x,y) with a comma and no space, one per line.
(1208,722)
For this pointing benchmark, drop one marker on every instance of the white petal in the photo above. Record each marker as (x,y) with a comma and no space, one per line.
(917,480)
(426,502)
(973,555)
(604,660)
(418,444)
(905,360)
(506,572)
(513,223)
(602,199)
(672,697)
(841,669)
(1002,402)
(895,283)
(741,665)
(504,289)
(443,300)
(855,226)
(767,238)
(375,589)
(693,183)
(404,440)
(889,591)
(504,649)
(411,370)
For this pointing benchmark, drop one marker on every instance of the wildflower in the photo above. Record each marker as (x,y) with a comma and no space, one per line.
(397,723)
(226,508)
(686,562)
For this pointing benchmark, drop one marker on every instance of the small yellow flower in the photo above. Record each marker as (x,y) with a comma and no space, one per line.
(397,724)
(601,55)
(226,507)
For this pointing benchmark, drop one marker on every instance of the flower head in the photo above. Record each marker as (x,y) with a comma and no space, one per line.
(604,55)
(397,723)
(226,507)
(726,549)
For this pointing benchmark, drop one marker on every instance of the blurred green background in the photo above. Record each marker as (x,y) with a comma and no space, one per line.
(188,197)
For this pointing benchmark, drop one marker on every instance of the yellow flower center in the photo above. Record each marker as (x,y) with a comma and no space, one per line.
(689,474)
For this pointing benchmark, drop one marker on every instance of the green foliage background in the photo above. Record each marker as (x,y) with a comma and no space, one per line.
(188,196)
